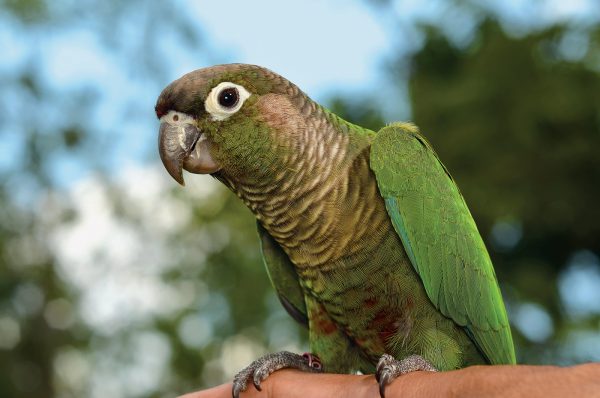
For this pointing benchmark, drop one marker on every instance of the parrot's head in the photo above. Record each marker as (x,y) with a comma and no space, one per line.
(232,121)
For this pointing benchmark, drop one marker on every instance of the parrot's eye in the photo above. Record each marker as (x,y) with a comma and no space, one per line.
(225,99)
(229,97)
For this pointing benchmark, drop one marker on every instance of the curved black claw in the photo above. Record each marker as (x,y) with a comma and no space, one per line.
(260,369)
(388,368)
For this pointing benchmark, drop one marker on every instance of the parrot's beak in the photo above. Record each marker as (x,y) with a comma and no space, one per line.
(184,147)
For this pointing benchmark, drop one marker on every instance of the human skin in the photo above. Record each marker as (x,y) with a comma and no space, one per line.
(476,381)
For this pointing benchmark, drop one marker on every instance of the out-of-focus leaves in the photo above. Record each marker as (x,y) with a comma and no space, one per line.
(518,131)
(29,11)
(518,127)
(364,113)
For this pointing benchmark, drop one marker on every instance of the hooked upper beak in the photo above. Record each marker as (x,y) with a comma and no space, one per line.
(184,146)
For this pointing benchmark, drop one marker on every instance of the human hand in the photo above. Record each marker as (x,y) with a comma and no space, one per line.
(489,381)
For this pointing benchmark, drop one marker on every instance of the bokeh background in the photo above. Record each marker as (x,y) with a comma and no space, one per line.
(115,281)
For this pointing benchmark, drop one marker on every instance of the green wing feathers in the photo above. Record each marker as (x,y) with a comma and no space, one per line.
(441,238)
(283,276)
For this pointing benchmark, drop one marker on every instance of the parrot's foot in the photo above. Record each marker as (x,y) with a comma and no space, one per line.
(258,370)
(388,368)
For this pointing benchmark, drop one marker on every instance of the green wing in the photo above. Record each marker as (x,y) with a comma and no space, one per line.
(283,277)
(441,238)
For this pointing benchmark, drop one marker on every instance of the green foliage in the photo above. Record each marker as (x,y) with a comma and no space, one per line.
(518,127)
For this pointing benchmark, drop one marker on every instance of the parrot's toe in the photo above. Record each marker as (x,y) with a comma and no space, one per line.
(260,369)
(260,374)
(240,381)
(389,368)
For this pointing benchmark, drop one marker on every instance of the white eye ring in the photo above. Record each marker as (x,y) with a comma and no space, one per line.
(177,118)
(218,111)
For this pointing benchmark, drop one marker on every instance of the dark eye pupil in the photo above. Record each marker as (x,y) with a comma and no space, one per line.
(228,97)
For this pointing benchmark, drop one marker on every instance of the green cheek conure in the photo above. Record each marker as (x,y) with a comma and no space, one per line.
(365,236)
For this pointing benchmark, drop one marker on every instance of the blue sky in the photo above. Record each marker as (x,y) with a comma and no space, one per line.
(325,47)
(318,45)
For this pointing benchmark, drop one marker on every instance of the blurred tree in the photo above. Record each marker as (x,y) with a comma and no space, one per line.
(517,122)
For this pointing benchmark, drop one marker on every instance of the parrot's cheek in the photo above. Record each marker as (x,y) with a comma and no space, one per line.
(199,160)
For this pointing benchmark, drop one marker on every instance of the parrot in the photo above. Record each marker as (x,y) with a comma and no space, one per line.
(365,236)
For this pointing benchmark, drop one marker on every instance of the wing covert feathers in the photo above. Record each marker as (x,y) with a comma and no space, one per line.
(440,237)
